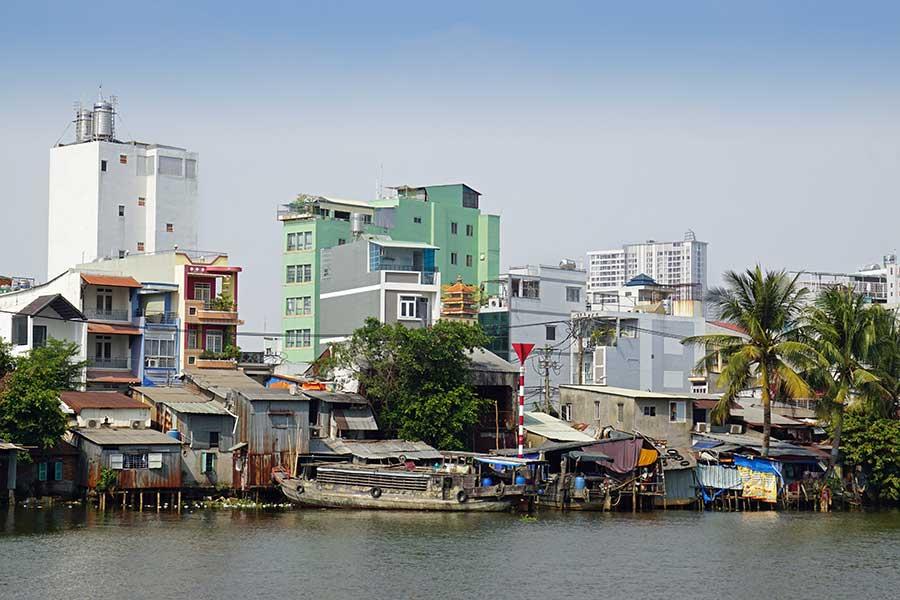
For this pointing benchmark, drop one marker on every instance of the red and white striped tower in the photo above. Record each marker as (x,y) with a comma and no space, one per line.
(522,351)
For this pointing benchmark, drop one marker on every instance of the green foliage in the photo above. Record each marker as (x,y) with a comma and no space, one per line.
(884,361)
(107,480)
(228,353)
(7,360)
(29,402)
(223,302)
(418,379)
(874,443)
(767,306)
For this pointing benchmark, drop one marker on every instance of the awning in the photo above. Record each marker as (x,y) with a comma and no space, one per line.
(589,456)
(355,419)
(647,457)
(505,461)
(100,376)
(110,280)
(108,329)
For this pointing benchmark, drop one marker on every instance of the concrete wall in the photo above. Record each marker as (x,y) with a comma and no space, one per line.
(117,417)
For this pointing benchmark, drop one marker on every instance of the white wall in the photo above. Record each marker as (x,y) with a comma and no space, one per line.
(118,417)
(73,205)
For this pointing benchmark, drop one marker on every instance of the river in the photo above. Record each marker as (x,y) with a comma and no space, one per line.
(75,553)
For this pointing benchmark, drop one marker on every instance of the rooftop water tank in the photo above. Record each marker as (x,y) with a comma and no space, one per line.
(84,125)
(104,121)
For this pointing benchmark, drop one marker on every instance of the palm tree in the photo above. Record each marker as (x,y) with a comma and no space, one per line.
(767,306)
(884,361)
(841,327)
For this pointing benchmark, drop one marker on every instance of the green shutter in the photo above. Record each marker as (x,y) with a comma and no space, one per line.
(42,471)
(57,471)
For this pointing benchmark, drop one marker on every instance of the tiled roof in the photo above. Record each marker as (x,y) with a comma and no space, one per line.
(110,280)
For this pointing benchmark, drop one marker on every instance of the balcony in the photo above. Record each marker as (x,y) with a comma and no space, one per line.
(123,362)
(427,274)
(108,315)
(209,313)
(161,318)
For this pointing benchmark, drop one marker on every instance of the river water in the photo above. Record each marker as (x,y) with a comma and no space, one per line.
(75,553)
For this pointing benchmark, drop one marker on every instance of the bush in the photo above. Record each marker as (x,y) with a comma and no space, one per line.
(874,443)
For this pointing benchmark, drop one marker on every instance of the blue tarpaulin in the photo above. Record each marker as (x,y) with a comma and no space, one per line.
(762,465)
(706,444)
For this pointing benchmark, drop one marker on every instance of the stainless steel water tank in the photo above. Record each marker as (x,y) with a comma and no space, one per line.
(84,125)
(104,123)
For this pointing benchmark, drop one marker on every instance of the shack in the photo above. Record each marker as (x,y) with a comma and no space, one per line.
(496,380)
(206,430)
(143,459)
(339,415)
(104,409)
(273,430)
(541,428)
(8,469)
(51,472)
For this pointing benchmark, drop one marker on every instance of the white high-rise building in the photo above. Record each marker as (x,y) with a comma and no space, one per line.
(680,265)
(879,283)
(110,198)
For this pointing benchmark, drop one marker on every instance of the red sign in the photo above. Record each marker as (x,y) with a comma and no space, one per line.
(522,351)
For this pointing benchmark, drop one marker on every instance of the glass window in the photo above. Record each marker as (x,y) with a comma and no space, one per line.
(298,338)
(190,168)
(121,210)
(169,165)
(123,159)
(453,228)
(103,165)
(566,412)
(598,410)
(407,309)
(214,341)
(468,260)
(417,219)
(470,230)
(453,259)
(213,439)
(531,288)
(620,412)
(551,333)
(135,461)
(677,411)
(649,411)
(38,336)
(20,330)
(573,294)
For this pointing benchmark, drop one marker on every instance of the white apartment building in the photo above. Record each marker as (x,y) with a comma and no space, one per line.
(534,306)
(110,198)
(879,282)
(681,265)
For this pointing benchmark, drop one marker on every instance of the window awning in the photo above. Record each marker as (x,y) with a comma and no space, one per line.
(109,329)
(110,280)
(355,419)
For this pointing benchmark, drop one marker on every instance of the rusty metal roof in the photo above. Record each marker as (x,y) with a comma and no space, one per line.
(110,280)
(157,394)
(221,381)
(374,449)
(113,329)
(355,419)
(197,408)
(126,437)
(81,400)
(335,397)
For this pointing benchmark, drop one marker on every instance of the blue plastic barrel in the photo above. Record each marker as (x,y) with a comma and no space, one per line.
(520,480)
(174,433)
(580,483)
(487,482)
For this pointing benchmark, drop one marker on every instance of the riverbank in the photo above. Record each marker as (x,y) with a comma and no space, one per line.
(81,553)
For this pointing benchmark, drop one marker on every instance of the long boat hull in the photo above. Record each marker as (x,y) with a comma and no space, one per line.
(308,493)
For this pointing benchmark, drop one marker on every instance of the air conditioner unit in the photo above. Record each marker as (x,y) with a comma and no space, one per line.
(701,427)
(93,423)
(152,363)
(137,424)
(495,303)
(736,429)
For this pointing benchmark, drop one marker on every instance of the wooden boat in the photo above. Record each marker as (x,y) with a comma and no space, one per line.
(394,488)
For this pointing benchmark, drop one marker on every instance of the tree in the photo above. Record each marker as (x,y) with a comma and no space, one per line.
(767,306)
(29,402)
(7,360)
(884,362)
(419,380)
(874,444)
(841,327)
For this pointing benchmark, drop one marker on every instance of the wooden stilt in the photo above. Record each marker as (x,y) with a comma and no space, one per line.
(157,501)
(179,501)
(124,499)
(140,501)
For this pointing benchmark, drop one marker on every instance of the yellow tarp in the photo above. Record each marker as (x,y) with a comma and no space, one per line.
(760,486)
(647,457)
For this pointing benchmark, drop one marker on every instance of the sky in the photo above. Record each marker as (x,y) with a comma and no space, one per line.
(771,129)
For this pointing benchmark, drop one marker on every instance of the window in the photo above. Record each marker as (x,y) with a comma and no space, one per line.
(573,294)
(301,240)
(214,341)
(209,462)
(121,254)
(169,165)
(469,198)
(190,168)
(103,348)
(551,332)
(598,410)
(299,273)
(301,305)
(453,259)
(417,219)
(103,166)
(123,159)
(620,412)
(145,165)
(57,471)
(140,246)
(42,471)
(341,241)
(135,461)
(159,349)
(470,230)
(408,308)
(38,336)
(213,439)
(453,228)
(526,288)
(142,201)
(192,340)
(677,411)
(649,411)
(566,412)
(170,227)
(20,330)
(121,210)
(468,260)
(367,219)
(298,338)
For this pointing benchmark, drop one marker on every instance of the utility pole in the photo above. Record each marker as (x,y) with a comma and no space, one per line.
(546,364)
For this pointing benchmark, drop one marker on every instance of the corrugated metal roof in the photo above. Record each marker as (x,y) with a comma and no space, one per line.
(485,360)
(221,381)
(336,397)
(180,394)
(57,302)
(113,437)
(355,419)
(553,429)
(401,244)
(81,400)
(754,415)
(628,393)
(719,477)
(374,449)
(196,408)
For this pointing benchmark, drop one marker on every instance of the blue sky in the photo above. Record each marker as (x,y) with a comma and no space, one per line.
(770,128)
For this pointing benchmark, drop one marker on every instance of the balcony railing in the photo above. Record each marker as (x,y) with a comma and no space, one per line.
(161,318)
(110,363)
(386,265)
(107,315)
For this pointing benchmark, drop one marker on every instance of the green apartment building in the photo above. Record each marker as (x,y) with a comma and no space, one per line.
(446,216)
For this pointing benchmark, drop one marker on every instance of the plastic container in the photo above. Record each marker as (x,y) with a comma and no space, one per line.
(580,483)
(174,433)
(520,480)
(487,482)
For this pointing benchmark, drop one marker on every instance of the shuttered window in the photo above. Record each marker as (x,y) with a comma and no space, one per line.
(116,460)
(170,166)
(155,460)
(57,471)
(42,471)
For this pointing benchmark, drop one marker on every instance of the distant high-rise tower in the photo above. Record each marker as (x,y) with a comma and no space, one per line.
(109,198)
